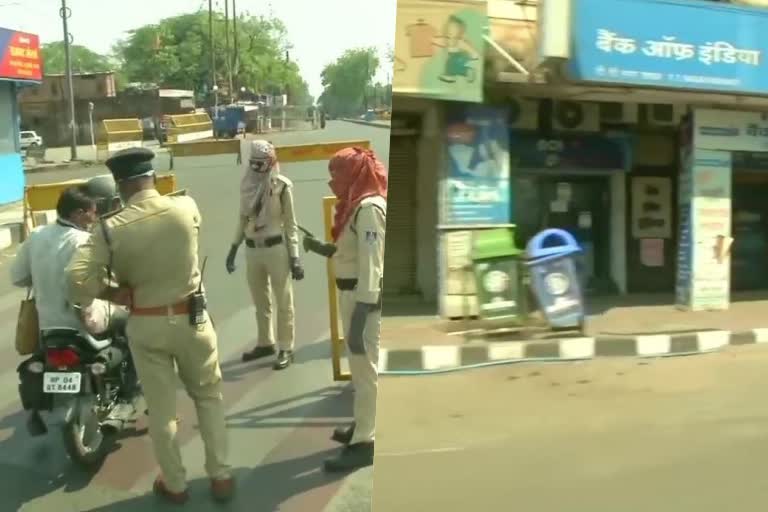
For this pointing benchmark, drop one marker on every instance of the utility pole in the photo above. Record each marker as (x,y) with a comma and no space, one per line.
(236,64)
(211,48)
(65,13)
(226,39)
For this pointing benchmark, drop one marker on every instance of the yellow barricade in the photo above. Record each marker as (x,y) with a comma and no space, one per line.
(42,198)
(205,148)
(309,152)
(118,134)
(189,127)
(285,154)
(337,338)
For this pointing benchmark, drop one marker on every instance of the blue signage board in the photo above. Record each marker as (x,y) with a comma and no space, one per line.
(671,43)
(594,152)
(477,189)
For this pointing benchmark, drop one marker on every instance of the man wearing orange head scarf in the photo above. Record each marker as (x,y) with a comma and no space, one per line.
(359,181)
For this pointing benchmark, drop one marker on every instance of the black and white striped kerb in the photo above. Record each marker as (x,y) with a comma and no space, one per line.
(443,357)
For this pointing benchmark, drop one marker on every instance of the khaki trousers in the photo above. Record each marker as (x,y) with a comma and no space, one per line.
(268,271)
(363,369)
(156,344)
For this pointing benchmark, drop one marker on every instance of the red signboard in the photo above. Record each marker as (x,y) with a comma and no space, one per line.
(20,57)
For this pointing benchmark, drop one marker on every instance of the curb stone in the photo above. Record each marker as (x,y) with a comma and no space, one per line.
(59,166)
(446,357)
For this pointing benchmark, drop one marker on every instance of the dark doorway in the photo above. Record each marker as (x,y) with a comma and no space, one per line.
(578,204)
(749,230)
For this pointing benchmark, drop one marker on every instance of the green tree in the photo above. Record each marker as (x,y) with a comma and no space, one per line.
(347,82)
(175,53)
(83,59)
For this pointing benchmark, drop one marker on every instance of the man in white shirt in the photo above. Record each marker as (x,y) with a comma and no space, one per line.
(43,257)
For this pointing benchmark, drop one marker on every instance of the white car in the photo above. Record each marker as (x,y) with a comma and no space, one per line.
(30,140)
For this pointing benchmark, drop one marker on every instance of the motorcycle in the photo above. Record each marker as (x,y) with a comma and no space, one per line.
(93,380)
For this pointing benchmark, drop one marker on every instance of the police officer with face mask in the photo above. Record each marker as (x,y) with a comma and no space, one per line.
(267,225)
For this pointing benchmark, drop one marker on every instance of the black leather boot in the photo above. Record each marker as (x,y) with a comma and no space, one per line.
(258,353)
(352,457)
(343,435)
(284,360)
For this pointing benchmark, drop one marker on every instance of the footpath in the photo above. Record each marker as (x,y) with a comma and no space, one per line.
(380,124)
(414,340)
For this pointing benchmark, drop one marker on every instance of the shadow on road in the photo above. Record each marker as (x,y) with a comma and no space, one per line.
(35,467)
(262,489)
(321,408)
(235,370)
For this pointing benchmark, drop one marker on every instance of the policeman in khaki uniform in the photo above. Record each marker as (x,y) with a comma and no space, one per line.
(359,181)
(151,248)
(267,225)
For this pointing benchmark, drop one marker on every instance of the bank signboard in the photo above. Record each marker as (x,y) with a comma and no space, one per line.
(670,44)
(20,57)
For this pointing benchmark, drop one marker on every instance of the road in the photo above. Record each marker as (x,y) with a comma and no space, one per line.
(279,422)
(672,435)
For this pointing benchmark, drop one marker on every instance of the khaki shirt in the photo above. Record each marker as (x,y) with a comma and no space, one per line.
(360,249)
(154,242)
(282,218)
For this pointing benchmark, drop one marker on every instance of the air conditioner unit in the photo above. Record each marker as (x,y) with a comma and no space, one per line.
(571,116)
(523,114)
(619,113)
(657,114)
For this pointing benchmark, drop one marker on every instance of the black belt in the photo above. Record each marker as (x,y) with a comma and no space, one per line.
(266,243)
(346,285)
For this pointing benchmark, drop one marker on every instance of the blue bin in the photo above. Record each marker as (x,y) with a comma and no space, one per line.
(554,280)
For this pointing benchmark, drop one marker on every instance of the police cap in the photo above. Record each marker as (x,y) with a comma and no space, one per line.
(131,163)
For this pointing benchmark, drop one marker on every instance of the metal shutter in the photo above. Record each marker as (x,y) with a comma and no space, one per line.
(400,256)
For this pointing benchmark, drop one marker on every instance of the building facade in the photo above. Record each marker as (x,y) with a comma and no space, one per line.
(641,136)
(20,66)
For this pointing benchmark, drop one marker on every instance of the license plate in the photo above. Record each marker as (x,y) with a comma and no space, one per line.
(62,382)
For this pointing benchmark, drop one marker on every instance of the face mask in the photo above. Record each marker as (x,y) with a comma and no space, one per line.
(260,166)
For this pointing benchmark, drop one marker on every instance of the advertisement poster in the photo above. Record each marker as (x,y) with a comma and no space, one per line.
(478,178)
(705,231)
(20,57)
(440,49)
(651,207)
(711,220)
(647,43)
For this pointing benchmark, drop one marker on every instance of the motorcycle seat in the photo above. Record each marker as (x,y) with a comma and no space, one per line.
(53,336)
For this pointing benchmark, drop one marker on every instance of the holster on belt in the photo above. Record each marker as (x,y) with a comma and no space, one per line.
(348,285)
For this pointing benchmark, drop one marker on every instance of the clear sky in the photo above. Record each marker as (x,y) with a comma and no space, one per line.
(320,30)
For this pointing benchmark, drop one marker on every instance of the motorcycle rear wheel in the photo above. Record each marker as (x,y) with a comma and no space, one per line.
(84,440)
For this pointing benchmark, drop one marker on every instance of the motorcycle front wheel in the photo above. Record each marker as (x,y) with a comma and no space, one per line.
(84,441)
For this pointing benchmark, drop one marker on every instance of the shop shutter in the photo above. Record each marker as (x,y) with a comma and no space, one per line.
(400,256)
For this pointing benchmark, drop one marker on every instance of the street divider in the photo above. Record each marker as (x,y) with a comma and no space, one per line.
(189,127)
(39,199)
(205,148)
(119,134)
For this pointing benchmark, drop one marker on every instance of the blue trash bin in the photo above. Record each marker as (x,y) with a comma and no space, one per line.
(554,280)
